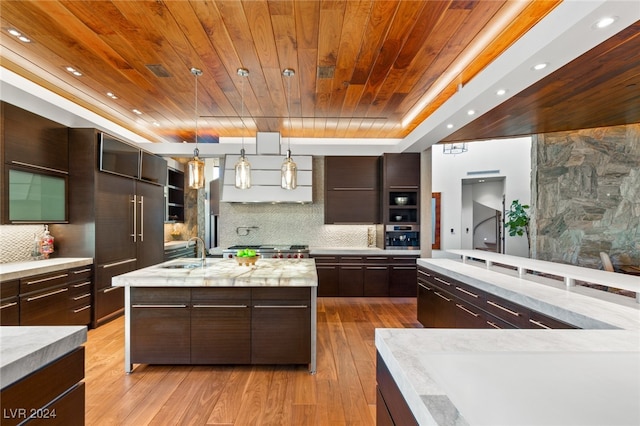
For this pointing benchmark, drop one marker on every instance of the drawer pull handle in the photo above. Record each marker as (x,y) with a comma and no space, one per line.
(442,281)
(423,273)
(220,306)
(376,267)
(8,305)
(353,189)
(376,258)
(425,287)
(49,169)
(158,306)
(62,290)
(81,284)
(467,311)
(494,325)
(82,297)
(514,313)
(405,268)
(47,279)
(539,324)
(122,262)
(82,271)
(110,289)
(282,306)
(439,295)
(467,292)
(75,311)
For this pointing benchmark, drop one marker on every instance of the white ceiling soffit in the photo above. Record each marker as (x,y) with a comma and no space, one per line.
(563,35)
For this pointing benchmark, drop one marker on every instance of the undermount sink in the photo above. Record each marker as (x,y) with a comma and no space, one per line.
(183,266)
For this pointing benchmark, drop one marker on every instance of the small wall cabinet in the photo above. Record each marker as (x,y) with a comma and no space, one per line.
(175,196)
(401,188)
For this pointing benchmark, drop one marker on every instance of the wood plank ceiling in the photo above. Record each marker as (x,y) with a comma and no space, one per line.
(361,65)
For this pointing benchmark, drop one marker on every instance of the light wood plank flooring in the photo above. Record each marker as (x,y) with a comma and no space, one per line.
(341,393)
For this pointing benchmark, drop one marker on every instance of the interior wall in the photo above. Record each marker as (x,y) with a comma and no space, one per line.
(506,158)
(588,196)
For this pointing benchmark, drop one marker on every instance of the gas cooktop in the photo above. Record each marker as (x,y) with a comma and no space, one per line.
(295,251)
(280,247)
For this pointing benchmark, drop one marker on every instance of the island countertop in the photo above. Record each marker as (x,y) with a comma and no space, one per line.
(223,273)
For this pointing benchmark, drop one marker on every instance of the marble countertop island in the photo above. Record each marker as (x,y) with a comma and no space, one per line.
(26,349)
(521,377)
(223,273)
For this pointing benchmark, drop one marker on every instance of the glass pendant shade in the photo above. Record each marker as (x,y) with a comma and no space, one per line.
(195,169)
(243,172)
(289,173)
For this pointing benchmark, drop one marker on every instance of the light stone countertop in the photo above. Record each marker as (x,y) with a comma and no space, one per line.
(518,377)
(364,251)
(223,273)
(25,349)
(178,244)
(17,270)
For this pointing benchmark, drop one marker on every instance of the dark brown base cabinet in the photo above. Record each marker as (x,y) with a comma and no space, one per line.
(391,407)
(366,276)
(52,395)
(220,325)
(444,302)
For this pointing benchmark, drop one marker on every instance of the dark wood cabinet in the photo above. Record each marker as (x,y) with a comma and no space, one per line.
(327,268)
(402,276)
(444,302)
(80,295)
(376,281)
(175,196)
(401,188)
(351,276)
(9,302)
(391,407)
(352,190)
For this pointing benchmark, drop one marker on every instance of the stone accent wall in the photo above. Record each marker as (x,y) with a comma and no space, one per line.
(586,196)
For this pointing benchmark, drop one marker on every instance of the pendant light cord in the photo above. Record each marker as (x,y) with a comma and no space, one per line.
(196,73)
(288,72)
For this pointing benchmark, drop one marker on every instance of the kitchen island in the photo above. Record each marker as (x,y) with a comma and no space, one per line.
(590,376)
(186,311)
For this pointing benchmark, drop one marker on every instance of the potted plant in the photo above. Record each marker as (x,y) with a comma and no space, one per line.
(517,221)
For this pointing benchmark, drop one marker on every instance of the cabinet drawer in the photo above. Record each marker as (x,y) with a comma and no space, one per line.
(509,312)
(83,273)
(538,320)
(159,295)
(287,296)
(326,259)
(221,296)
(9,289)
(10,311)
(109,303)
(43,281)
(45,308)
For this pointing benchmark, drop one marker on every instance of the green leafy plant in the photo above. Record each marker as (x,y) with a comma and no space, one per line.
(517,222)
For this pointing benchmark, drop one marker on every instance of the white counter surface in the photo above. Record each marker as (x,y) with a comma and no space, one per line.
(17,270)
(364,251)
(521,377)
(25,349)
(223,273)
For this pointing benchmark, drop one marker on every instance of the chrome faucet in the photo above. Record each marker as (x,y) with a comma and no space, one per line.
(204,250)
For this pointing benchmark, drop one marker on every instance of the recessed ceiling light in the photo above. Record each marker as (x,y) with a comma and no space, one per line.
(24,39)
(136,111)
(14,32)
(155,123)
(449,126)
(111,95)
(540,66)
(471,112)
(73,71)
(605,22)
(501,92)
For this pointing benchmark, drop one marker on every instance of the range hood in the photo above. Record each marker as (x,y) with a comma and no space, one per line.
(265,175)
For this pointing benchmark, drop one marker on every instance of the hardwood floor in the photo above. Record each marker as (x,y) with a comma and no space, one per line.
(341,393)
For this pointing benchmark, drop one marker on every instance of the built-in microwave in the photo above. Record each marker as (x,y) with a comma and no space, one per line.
(35,195)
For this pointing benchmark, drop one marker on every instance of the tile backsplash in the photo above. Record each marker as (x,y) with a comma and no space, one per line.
(17,242)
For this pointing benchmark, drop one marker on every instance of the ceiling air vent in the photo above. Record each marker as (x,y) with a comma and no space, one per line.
(159,70)
(326,72)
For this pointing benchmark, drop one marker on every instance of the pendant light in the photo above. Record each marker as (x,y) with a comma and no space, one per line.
(289,169)
(196,165)
(243,167)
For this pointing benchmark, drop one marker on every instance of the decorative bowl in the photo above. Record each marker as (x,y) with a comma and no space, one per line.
(398,218)
(401,201)
(246,261)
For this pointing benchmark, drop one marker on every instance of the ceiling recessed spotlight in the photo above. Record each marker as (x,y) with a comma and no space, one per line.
(471,112)
(24,39)
(449,126)
(539,67)
(605,22)
(136,111)
(501,92)
(14,32)
(111,95)
(155,123)
(73,71)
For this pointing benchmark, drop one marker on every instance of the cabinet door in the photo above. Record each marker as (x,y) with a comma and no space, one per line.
(328,280)
(47,307)
(401,170)
(115,225)
(9,303)
(150,224)
(281,326)
(468,316)
(426,304)
(352,173)
(352,206)
(402,281)
(376,281)
(351,279)
(160,326)
(221,326)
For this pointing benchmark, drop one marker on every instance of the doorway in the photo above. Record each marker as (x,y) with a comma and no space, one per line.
(483,214)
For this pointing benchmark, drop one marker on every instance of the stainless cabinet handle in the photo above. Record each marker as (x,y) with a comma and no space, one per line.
(425,287)
(8,305)
(141,202)
(494,325)
(122,262)
(539,324)
(467,311)
(47,279)
(376,258)
(220,306)
(467,292)
(75,311)
(403,187)
(369,188)
(405,268)
(514,313)
(82,297)
(326,267)
(282,306)
(324,257)
(82,271)
(110,289)
(351,267)
(442,281)
(20,163)
(158,306)
(135,219)
(439,295)
(81,284)
(376,267)
(52,293)
(420,271)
